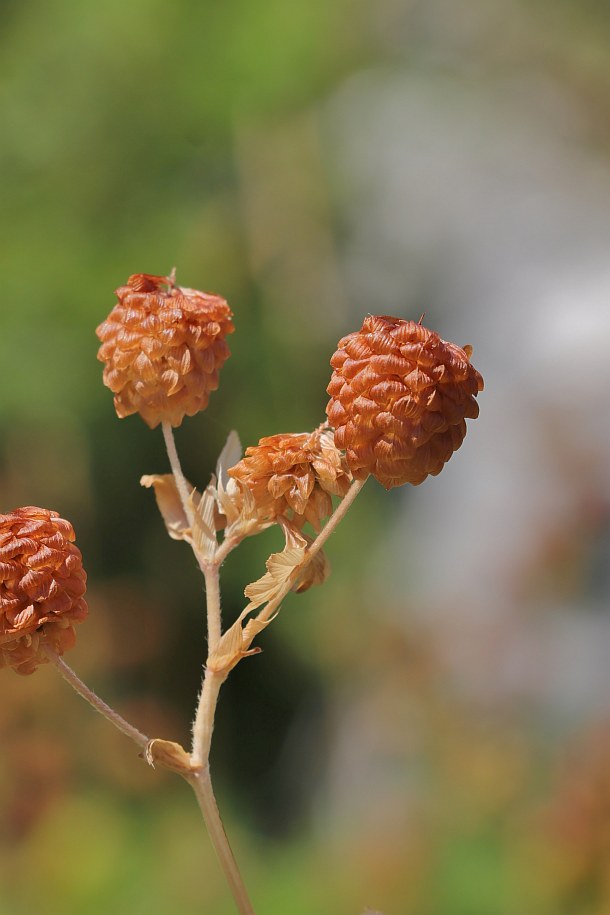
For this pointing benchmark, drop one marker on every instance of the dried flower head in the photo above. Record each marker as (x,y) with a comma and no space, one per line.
(42,583)
(294,475)
(399,400)
(163,346)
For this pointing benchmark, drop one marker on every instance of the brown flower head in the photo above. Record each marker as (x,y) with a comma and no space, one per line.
(399,398)
(163,346)
(42,583)
(294,475)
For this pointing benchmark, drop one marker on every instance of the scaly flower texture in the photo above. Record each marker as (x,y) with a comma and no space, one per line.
(399,398)
(294,475)
(42,587)
(163,346)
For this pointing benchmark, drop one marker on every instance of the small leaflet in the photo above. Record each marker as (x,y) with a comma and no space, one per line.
(169,504)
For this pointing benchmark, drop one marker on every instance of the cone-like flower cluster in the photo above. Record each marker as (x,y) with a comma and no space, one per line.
(163,346)
(42,587)
(294,476)
(399,400)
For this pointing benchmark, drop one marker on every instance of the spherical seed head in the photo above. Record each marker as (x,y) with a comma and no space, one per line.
(293,475)
(399,398)
(42,587)
(163,347)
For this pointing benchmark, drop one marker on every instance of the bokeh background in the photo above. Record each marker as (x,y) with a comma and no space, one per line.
(428,734)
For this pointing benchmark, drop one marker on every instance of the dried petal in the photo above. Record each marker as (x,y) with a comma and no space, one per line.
(42,587)
(293,475)
(399,397)
(315,573)
(163,346)
(280,566)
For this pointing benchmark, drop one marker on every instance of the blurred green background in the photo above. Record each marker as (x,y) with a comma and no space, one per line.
(430,732)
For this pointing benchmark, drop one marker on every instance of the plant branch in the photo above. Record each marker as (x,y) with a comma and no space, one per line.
(212,595)
(227,545)
(174,460)
(94,700)
(338,515)
(203,724)
(202,786)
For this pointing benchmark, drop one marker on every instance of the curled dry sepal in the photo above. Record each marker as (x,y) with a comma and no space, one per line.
(42,587)
(163,346)
(400,396)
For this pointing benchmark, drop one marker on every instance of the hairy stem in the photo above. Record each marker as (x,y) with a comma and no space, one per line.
(224,549)
(202,786)
(201,783)
(181,484)
(212,593)
(98,704)
(204,719)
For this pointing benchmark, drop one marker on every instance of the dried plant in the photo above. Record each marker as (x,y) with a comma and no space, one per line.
(399,398)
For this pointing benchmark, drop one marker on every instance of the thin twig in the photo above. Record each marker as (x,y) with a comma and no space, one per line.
(338,515)
(223,550)
(203,724)
(202,786)
(212,593)
(174,460)
(94,700)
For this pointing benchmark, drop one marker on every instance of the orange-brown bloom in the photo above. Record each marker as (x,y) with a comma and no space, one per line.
(399,398)
(163,346)
(294,475)
(42,587)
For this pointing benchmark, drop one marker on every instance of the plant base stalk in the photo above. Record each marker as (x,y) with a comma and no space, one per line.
(94,700)
(201,784)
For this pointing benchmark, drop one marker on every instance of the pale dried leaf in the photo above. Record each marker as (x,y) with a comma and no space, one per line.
(293,536)
(204,527)
(228,651)
(169,503)
(229,456)
(228,496)
(315,573)
(280,566)
(168,754)
(252,629)
(229,502)
(232,647)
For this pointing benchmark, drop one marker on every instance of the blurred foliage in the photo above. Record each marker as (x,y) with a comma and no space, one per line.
(142,135)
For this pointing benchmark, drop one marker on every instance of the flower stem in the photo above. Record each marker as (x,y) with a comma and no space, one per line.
(202,786)
(212,593)
(203,724)
(98,704)
(174,460)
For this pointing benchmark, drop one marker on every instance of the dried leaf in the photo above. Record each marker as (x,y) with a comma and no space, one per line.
(169,503)
(232,647)
(168,754)
(252,629)
(280,567)
(293,536)
(229,456)
(204,527)
(315,573)
(317,570)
